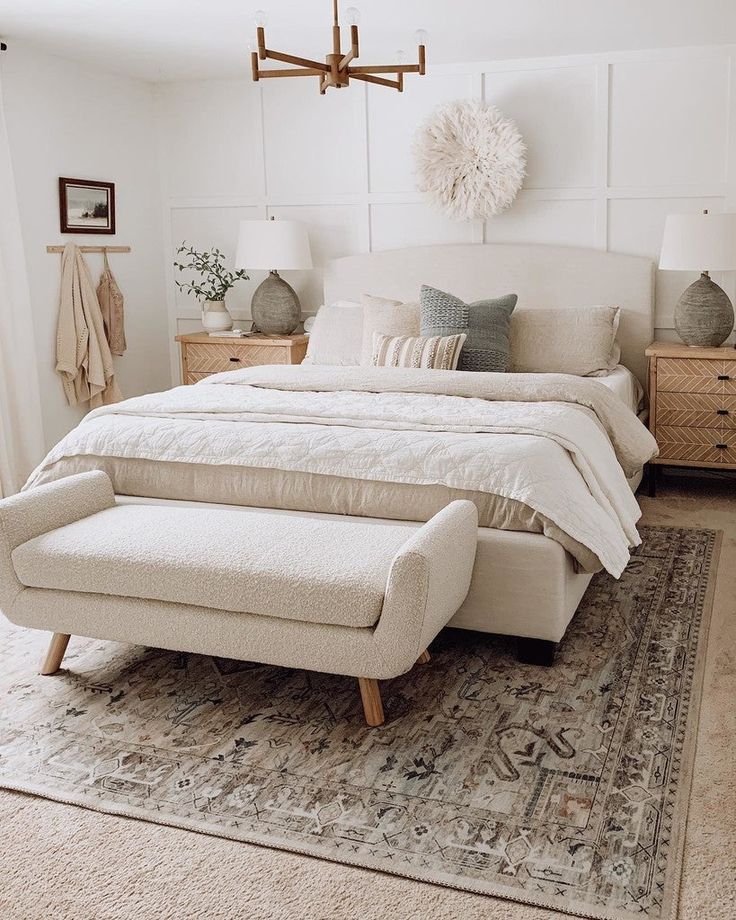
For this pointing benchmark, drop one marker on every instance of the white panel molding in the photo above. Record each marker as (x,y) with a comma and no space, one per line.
(355,163)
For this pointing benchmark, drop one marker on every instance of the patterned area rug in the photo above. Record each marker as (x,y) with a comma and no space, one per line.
(564,787)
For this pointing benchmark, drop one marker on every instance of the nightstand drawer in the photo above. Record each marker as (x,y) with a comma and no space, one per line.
(696,375)
(696,410)
(696,445)
(214,359)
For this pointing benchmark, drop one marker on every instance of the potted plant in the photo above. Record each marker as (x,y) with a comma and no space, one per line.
(211,290)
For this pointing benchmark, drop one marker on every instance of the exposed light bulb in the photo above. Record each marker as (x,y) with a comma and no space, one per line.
(252,46)
(261,18)
(400,56)
(421,36)
(352,16)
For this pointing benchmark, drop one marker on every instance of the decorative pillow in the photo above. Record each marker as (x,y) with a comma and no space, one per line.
(337,334)
(574,340)
(439,352)
(485,323)
(390,317)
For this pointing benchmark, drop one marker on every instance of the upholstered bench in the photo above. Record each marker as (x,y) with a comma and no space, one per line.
(363,599)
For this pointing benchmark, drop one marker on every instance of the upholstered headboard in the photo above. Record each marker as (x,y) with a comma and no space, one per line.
(542,276)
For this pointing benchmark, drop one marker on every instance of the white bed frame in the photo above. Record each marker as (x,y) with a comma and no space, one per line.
(523,584)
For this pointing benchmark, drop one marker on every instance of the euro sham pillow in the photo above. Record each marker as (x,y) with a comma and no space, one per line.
(337,334)
(485,323)
(573,340)
(389,317)
(437,352)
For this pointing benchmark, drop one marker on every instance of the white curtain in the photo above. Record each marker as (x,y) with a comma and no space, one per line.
(21,429)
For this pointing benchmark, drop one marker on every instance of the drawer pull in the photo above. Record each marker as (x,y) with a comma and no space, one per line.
(721,446)
(235,360)
(724,377)
(722,411)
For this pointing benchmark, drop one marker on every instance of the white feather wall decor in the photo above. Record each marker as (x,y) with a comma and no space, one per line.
(470,159)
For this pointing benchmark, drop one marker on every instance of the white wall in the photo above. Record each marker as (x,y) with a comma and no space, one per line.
(616,141)
(67,120)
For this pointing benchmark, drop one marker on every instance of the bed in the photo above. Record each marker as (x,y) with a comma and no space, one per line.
(390,444)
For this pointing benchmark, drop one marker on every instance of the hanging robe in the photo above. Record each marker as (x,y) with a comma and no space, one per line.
(83,357)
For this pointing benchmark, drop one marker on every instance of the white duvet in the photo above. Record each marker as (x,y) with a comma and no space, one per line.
(562,445)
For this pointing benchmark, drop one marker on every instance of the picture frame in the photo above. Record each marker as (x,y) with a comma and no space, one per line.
(86,206)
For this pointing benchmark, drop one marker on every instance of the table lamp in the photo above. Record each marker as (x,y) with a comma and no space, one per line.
(701,242)
(263,244)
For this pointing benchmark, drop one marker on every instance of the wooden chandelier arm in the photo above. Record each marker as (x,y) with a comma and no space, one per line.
(300,62)
(297,72)
(377,81)
(385,68)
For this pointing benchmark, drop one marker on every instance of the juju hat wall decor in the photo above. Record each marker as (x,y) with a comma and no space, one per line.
(470,160)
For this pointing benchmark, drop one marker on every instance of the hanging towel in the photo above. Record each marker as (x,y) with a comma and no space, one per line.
(83,357)
(111,304)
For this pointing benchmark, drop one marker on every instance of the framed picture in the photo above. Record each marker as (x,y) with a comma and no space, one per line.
(86,206)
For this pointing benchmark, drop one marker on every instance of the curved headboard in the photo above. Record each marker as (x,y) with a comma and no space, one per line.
(542,276)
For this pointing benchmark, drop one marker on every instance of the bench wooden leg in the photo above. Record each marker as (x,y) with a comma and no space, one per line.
(370,693)
(55,652)
(424,658)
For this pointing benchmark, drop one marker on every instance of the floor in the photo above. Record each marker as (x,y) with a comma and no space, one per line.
(67,862)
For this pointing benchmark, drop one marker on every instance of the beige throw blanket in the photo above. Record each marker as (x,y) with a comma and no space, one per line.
(83,357)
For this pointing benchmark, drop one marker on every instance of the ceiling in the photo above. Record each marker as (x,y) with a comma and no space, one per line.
(187,39)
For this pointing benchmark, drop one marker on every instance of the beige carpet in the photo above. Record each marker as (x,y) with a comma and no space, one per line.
(68,862)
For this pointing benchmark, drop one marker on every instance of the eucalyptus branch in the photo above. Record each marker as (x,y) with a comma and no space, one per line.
(216,281)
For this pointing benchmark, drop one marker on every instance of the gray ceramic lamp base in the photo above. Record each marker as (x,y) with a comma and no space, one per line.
(704,314)
(275,306)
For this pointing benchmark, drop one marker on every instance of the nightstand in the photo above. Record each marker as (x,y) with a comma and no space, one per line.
(692,400)
(203,354)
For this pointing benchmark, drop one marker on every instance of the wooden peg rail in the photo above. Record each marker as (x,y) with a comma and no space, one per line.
(91,249)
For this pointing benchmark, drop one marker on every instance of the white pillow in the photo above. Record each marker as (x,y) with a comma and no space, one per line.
(337,334)
(575,340)
(387,317)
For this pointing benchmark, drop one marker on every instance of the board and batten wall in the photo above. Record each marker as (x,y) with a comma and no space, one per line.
(616,142)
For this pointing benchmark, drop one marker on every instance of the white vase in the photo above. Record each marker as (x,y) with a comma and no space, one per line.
(215,316)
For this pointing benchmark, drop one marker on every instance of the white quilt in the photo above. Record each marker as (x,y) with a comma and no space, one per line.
(561,445)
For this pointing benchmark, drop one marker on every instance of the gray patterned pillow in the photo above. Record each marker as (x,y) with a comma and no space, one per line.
(485,322)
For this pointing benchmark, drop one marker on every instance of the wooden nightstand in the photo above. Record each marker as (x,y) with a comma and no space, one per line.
(202,354)
(692,399)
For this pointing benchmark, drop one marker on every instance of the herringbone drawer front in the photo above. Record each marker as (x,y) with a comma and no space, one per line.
(697,445)
(696,410)
(696,375)
(213,359)
(195,378)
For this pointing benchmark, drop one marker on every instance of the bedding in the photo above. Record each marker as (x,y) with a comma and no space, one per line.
(388,317)
(625,385)
(336,336)
(573,340)
(484,322)
(440,352)
(554,449)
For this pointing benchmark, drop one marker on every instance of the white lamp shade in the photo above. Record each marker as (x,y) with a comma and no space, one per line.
(699,242)
(273,244)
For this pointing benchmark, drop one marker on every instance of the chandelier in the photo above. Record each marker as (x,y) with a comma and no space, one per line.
(338,70)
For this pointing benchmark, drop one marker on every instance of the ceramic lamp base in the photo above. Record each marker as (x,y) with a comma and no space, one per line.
(704,314)
(275,306)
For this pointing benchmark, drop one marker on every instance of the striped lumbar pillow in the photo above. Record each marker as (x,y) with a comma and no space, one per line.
(439,352)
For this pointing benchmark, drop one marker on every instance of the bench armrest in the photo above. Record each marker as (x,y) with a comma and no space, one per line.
(43,509)
(429,580)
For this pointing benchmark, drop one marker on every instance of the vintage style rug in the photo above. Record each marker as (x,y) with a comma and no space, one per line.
(565,787)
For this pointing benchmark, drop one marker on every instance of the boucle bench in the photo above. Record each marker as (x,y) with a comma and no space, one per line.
(363,599)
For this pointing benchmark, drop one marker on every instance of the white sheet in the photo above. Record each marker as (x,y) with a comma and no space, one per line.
(625,385)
